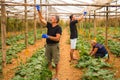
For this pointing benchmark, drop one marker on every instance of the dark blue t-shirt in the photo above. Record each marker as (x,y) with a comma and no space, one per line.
(73,29)
(101,50)
(52,31)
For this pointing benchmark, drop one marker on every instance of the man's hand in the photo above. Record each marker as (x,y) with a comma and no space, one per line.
(38,7)
(45,36)
(85,13)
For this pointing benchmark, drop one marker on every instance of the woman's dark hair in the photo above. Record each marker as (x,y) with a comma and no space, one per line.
(71,16)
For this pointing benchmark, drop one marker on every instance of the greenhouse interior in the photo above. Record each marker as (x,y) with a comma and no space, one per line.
(60,40)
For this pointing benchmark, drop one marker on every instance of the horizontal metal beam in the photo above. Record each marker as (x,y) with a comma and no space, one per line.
(66,13)
(95,5)
(108,12)
(79,14)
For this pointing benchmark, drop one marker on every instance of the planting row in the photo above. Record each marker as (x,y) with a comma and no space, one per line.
(112,44)
(14,39)
(94,69)
(17,47)
(35,68)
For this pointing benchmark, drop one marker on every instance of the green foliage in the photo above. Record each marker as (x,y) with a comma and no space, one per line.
(94,69)
(12,51)
(12,25)
(116,36)
(35,68)
(100,39)
(14,39)
(95,73)
(87,61)
(88,25)
(114,47)
(62,23)
(17,47)
(82,45)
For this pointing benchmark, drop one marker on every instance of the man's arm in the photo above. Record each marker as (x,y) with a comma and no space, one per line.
(94,51)
(41,18)
(40,15)
(57,38)
(80,18)
(91,51)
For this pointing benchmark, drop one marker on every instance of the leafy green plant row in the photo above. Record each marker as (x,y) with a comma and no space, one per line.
(17,47)
(12,51)
(38,36)
(14,39)
(114,47)
(35,68)
(116,36)
(93,68)
(82,45)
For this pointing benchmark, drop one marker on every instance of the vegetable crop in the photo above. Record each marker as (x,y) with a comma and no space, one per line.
(94,69)
(35,68)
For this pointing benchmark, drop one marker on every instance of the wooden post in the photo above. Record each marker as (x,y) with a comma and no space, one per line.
(46,10)
(95,24)
(3,35)
(41,6)
(116,24)
(35,22)
(46,14)
(16,24)
(89,26)
(106,28)
(7,25)
(26,26)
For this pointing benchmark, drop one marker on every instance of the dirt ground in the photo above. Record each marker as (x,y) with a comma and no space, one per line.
(67,71)
(9,70)
(115,61)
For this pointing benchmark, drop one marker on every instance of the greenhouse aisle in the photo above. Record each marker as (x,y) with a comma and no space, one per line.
(9,70)
(67,70)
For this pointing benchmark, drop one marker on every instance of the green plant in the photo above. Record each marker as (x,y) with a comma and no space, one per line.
(35,68)
(95,73)
(94,69)
(100,39)
(14,39)
(13,50)
(114,47)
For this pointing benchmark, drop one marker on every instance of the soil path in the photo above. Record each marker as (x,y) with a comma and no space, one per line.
(67,71)
(9,70)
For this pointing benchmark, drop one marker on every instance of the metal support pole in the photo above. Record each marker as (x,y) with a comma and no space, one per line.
(94,24)
(106,28)
(26,26)
(35,22)
(3,35)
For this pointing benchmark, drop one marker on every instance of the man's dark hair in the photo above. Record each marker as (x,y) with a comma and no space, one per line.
(57,18)
(71,16)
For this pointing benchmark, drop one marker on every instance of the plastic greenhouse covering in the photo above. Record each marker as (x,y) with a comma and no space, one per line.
(63,11)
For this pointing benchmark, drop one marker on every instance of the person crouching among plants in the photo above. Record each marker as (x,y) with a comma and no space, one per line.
(98,50)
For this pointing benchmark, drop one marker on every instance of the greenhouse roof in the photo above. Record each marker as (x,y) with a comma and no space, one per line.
(63,11)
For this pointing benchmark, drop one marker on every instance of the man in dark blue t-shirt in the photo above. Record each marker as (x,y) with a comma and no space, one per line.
(73,34)
(98,50)
(53,35)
